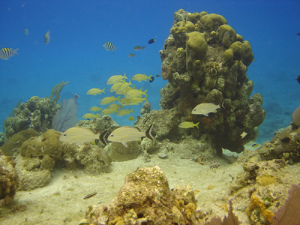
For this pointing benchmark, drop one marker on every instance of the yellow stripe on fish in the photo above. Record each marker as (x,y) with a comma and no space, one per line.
(6,53)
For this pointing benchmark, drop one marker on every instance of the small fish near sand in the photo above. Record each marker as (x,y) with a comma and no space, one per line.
(188,125)
(78,135)
(109,46)
(6,53)
(126,134)
(205,109)
(47,37)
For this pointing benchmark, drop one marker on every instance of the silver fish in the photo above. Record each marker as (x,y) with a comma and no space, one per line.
(127,134)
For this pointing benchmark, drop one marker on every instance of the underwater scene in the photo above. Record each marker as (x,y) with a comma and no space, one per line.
(150,112)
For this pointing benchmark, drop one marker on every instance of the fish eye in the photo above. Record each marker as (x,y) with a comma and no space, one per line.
(65,134)
(112,135)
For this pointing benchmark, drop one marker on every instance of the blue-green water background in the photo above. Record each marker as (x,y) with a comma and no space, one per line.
(79,28)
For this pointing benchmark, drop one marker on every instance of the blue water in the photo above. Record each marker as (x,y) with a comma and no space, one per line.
(79,29)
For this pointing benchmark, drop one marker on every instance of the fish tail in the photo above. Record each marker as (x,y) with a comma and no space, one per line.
(103,90)
(145,93)
(131,110)
(16,51)
(197,125)
(149,133)
(125,76)
(118,98)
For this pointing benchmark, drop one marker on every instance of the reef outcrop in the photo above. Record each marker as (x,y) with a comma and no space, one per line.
(9,181)
(206,61)
(146,198)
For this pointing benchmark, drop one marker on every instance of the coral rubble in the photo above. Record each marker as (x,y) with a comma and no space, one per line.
(205,60)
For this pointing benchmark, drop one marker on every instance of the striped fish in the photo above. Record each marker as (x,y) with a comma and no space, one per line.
(47,37)
(5,53)
(109,46)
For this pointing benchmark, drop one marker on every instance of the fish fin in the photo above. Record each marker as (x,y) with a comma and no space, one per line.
(103,90)
(125,144)
(102,137)
(149,134)
(197,125)
(16,51)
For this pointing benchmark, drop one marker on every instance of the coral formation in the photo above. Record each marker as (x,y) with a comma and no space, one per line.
(145,198)
(205,60)
(118,152)
(284,145)
(9,180)
(15,141)
(36,114)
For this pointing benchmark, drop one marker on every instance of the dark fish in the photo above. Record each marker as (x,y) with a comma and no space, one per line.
(109,46)
(298,79)
(131,55)
(157,75)
(285,140)
(90,195)
(151,41)
(47,37)
(5,53)
(151,79)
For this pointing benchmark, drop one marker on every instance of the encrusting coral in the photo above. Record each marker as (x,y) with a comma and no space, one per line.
(205,61)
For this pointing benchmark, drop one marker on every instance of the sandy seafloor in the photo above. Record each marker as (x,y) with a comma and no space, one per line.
(61,201)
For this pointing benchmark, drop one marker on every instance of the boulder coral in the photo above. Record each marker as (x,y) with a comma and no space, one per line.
(205,60)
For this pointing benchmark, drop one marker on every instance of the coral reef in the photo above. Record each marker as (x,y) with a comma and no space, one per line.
(9,180)
(146,108)
(119,152)
(145,198)
(36,114)
(205,60)
(15,141)
(284,145)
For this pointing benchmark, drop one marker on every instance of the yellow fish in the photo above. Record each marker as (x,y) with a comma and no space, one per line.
(124,88)
(125,101)
(116,86)
(131,118)
(47,37)
(205,109)
(78,135)
(140,77)
(123,112)
(136,101)
(108,100)
(116,79)
(89,116)
(135,93)
(95,109)
(95,91)
(115,107)
(107,111)
(188,125)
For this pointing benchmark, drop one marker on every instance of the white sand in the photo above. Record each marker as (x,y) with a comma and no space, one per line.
(61,202)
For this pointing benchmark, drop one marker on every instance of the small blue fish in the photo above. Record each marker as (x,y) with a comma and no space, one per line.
(109,46)
(6,53)
(47,37)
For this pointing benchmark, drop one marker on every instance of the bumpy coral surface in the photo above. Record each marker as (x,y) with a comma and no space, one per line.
(205,61)
(145,198)
(9,181)
(36,114)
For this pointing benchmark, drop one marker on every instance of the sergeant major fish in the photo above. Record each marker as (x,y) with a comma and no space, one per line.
(109,46)
(6,53)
